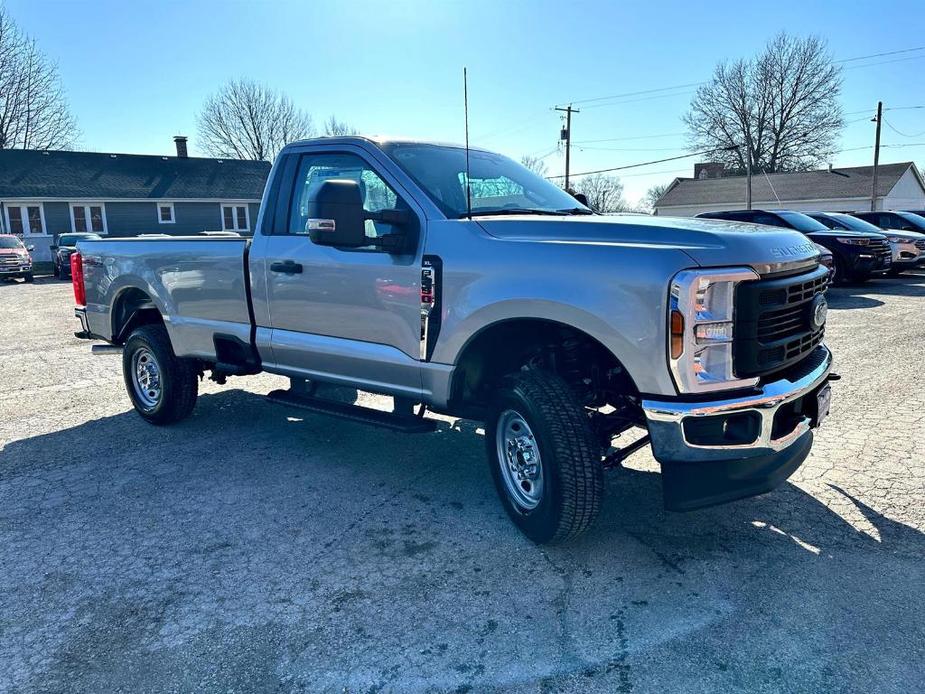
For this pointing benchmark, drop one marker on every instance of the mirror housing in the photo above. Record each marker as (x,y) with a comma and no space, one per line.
(30,248)
(336,216)
(53,248)
(582,198)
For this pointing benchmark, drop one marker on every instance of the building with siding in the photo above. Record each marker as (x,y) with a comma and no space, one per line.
(899,187)
(47,193)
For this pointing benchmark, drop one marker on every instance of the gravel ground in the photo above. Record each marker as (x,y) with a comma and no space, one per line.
(256,548)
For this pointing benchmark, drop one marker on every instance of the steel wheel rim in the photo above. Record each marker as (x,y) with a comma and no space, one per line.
(146,378)
(519,459)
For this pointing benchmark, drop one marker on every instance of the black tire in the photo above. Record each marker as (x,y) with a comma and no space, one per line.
(30,278)
(840,276)
(895,271)
(572,475)
(56,271)
(178,379)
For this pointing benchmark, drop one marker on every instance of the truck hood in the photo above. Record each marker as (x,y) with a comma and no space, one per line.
(708,242)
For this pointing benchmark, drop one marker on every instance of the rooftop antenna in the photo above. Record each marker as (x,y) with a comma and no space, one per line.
(466,111)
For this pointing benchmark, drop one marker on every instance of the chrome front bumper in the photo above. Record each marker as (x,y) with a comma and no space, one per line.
(695,476)
(666,418)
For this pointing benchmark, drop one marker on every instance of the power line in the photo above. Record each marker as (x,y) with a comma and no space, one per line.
(638,93)
(645,163)
(900,132)
(880,55)
(712,151)
(632,137)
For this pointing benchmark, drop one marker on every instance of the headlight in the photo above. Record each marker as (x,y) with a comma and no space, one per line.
(701,329)
(897,239)
(853,241)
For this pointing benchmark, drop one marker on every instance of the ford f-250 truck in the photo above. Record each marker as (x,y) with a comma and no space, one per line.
(465,284)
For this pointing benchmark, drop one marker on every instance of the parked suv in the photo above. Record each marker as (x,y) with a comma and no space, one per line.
(15,258)
(62,249)
(906,231)
(856,255)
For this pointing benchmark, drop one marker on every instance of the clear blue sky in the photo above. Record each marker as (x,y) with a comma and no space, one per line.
(137,73)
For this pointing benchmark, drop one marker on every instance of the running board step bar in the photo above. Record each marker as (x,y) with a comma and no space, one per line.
(356,413)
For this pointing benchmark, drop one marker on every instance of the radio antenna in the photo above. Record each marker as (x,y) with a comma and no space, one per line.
(466,112)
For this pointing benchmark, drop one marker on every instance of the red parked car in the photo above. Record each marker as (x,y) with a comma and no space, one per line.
(15,258)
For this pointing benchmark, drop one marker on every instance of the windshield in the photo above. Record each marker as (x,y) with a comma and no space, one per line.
(498,184)
(847,221)
(72,239)
(10,242)
(915,220)
(802,222)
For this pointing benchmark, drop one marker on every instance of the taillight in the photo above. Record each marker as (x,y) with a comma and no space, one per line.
(77,279)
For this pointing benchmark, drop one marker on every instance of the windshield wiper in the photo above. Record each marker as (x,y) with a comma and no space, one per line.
(511,210)
(577,210)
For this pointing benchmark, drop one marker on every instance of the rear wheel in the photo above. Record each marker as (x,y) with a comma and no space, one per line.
(544,457)
(162,387)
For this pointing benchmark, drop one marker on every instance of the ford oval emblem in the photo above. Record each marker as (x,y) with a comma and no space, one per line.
(820,310)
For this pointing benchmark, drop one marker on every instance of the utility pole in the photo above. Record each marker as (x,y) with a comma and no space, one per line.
(566,135)
(873,189)
(748,177)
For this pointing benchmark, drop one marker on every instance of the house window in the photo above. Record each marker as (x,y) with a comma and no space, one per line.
(25,218)
(235,218)
(165,213)
(89,216)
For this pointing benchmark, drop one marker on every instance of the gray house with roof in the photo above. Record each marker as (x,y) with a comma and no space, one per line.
(899,187)
(47,193)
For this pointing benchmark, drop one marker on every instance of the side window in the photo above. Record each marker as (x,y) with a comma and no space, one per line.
(897,222)
(767,219)
(315,169)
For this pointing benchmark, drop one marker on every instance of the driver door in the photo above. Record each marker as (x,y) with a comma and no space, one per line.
(345,315)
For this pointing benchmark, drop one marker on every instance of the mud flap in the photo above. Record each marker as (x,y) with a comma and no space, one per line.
(691,485)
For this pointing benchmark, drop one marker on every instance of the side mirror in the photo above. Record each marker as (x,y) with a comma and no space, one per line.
(30,248)
(52,248)
(336,216)
(582,198)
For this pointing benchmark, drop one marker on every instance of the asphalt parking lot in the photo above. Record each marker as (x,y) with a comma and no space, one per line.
(256,548)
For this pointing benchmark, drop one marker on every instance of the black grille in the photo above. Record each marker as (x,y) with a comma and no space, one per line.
(882,250)
(774,325)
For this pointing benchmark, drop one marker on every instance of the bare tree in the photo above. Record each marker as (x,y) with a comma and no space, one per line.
(535,164)
(653,194)
(248,120)
(34,112)
(332,127)
(604,193)
(779,108)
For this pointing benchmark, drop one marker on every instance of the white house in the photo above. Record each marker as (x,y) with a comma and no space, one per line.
(899,187)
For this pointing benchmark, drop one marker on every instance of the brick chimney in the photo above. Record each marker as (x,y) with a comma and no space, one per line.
(708,169)
(180,141)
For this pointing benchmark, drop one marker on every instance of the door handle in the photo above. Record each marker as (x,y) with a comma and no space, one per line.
(288,267)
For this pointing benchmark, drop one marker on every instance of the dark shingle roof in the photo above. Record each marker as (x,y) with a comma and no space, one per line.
(853,182)
(44,175)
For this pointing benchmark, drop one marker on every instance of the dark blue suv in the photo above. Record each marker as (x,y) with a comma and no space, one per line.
(857,255)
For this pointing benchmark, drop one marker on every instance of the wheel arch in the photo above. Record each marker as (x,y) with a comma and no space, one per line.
(499,348)
(131,308)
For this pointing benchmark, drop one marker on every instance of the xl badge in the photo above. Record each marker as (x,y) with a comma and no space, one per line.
(820,310)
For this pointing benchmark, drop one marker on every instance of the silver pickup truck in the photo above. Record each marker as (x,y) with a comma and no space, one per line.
(463,284)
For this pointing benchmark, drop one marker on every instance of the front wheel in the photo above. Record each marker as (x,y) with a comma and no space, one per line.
(29,277)
(544,457)
(162,387)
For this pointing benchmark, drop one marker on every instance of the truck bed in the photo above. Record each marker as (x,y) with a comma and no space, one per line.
(199,285)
